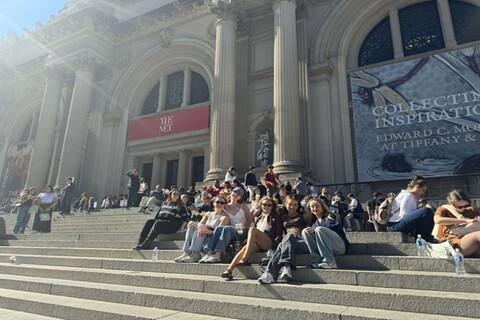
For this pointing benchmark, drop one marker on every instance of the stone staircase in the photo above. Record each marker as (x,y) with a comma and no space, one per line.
(86,269)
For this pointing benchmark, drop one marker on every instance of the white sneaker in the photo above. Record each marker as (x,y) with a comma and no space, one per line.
(266,278)
(205,257)
(194,257)
(212,259)
(185,255)
(328,265)
(440,250)
(315,265)
(285,273)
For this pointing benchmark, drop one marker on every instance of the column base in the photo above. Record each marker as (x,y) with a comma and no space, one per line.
(215,174)
(288,169)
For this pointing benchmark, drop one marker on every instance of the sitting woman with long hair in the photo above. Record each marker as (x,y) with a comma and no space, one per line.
(266,234)
(198,233)
(170,218)
(448,218)
(284,259)
(325,238)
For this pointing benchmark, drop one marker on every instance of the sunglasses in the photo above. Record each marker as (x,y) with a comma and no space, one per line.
(267,204)
(220,202)
(462,207)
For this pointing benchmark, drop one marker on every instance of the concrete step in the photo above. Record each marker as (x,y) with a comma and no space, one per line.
(6,314)
(416,280)
(68,308)
(298,301)
(166,264)
(103,236)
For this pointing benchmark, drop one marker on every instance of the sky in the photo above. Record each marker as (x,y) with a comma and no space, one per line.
(18,14)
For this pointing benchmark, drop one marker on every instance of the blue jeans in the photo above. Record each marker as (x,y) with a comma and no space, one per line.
(323,244)
(419,222)
(23,216)
(66,203)
(193,243)
(221,237)
(286,252)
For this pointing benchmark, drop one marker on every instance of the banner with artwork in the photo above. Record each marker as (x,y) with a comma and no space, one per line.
(420,116)
(15,169)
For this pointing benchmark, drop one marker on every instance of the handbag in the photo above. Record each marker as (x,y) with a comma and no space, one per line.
(44,217)
(33,209)
(462,230)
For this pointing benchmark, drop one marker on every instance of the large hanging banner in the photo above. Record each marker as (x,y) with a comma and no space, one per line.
(15,170)
(420,116)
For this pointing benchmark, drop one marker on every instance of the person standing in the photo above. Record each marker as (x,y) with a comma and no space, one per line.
(251,182)
(68,190)
(133,187)
(270,181)
(300,188)
(25,201)
(43,219)
(372,206)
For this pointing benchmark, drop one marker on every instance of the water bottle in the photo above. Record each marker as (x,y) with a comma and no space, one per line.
(421,248)
(269,253)
(155,254)
(459,259)
(12,259)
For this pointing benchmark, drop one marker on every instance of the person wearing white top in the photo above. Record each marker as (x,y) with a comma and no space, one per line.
(407,217)
(43,219)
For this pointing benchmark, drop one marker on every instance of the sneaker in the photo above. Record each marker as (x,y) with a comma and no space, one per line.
(205,257)
(182,257)
(315,265)
(285,273)
(212,259)
(440,250)
(328,265)
(266,278)
(194,257)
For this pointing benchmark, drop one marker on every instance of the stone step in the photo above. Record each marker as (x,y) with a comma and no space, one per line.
(297,301)
(416,280)
(6,314)
(68,308)
(166,264)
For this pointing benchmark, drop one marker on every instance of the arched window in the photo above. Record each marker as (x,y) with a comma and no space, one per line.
(421,31)
(377,46)
(174,90)
(466,21)
(173,95)
(421,28)
(199,89)
(151,102)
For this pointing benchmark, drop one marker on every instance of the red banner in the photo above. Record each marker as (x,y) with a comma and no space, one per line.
(167,124)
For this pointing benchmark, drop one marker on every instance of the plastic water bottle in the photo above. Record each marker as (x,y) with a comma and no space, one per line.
(12,259)
(421,248)
(270,253)
(155,254)
(459,259)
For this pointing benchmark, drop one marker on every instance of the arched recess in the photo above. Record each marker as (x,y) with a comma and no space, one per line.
(134,85)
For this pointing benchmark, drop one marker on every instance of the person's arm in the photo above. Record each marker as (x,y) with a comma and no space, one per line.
(248,215)
(441,218)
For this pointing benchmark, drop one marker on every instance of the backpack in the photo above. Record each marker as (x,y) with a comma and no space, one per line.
(383,213)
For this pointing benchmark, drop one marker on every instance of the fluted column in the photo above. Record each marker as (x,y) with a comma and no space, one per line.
(73,149)
(42,150)
(157,170)
(183,168)
(222,131)
(287,154)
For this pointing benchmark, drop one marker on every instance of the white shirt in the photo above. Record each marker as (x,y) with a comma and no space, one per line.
(47,197)
(404,204)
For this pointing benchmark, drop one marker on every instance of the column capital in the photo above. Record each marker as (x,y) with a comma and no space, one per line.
(275,3)
(86,62)
(226,10)
(56,72)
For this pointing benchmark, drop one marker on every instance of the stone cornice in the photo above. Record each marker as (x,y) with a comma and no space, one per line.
(229,10)
(112,119)
(322,71)
(23,71)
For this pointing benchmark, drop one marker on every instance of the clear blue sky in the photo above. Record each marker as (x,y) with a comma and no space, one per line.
(18,14)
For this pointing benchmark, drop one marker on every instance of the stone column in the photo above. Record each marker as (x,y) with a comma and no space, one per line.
(187,79)
(73,149)
(162,94)
(157,170)
(44,139)
(396,33)
(447,23)
(183,168)
(206,159)
(222,131)
(287,155)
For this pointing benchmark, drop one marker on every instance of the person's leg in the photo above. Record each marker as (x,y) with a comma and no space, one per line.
(197,242)
(67,205)
(251,193)
(299,246)
(24,222)
(287,248)
(163,227)
(236,259)
(347,219)
(22,210)
(311,242)
(419,221)
(228,234)
(256,239)
(146,230)
(329,243)
(470,244)
(273,267)
(188,239)
(212,241)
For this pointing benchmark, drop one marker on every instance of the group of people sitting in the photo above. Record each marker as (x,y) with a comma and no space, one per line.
(288,228)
